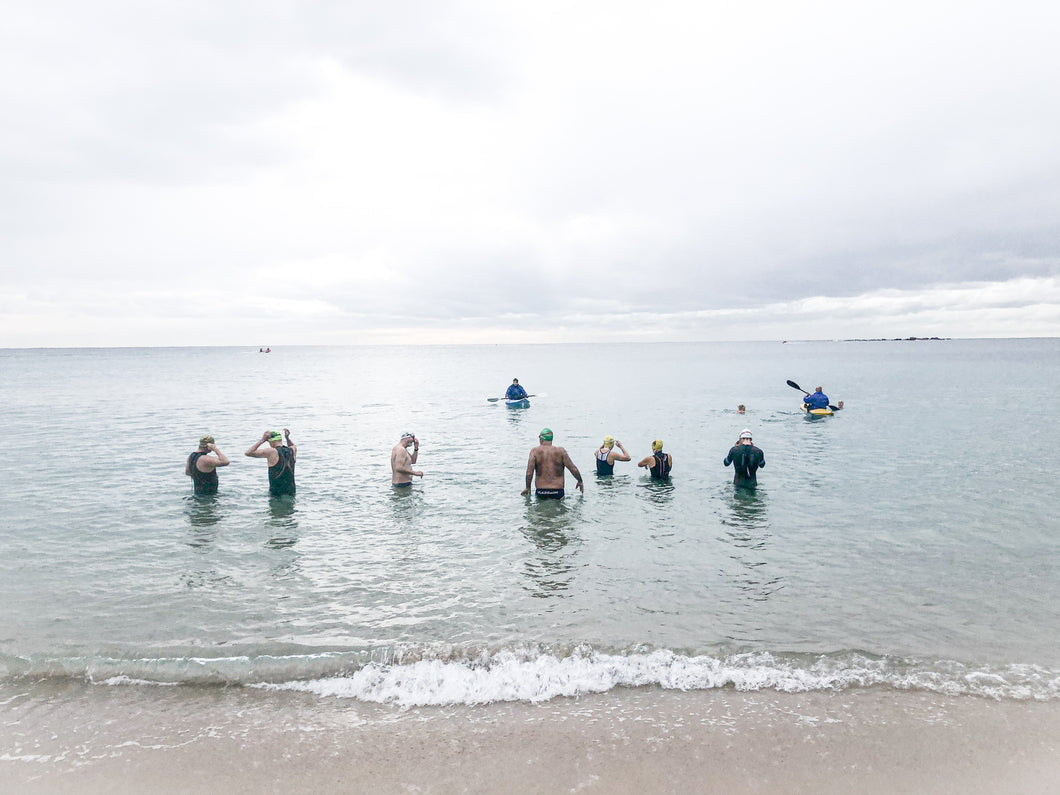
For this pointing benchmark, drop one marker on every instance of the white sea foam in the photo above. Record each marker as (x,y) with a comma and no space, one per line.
(512,676)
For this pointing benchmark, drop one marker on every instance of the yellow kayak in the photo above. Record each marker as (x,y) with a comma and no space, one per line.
(817,412)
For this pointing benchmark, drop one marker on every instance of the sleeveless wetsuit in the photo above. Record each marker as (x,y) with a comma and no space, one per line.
(281,476)
(745,460)
(204,482)
(602,467)
(660,470)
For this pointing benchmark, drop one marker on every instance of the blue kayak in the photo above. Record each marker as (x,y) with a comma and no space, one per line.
(521,403)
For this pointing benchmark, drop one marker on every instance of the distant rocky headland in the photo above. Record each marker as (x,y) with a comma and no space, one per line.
(897,339)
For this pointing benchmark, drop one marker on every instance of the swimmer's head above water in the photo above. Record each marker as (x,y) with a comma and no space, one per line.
(206,441)
(657,446)
(545,435)
(609,442)
(275,436)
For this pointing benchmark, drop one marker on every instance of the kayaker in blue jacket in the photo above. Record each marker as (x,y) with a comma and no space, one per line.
(515,391)
(818,400)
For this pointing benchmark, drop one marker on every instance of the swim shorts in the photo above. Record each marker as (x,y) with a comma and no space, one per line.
(401,485)
(549,494)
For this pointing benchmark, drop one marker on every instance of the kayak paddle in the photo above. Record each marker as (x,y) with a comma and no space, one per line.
(494,400)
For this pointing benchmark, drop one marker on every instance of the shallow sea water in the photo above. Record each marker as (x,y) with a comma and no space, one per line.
(908,542)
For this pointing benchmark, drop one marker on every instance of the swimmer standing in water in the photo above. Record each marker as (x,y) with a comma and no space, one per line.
(658,463)
(606,456)
(401,461)
(547,463)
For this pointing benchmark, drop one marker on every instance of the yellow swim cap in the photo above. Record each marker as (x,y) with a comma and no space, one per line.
(656,446)
(609,441)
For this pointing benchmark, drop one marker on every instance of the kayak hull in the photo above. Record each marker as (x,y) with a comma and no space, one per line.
(816,412)
(522,403)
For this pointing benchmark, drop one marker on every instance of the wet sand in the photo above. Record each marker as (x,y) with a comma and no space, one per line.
(73,738)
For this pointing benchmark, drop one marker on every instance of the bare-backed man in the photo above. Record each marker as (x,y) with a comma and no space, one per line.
(547,463)
(401,461)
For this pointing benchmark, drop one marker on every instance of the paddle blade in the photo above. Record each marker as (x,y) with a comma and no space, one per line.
(793,385)
(492,400)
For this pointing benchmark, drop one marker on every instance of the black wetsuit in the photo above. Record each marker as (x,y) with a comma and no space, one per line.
(204,482)
(602,466)
(281,476)
(745,460)
(660,470)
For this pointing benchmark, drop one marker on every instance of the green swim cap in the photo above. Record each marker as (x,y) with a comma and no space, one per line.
(275,436)
(545,435)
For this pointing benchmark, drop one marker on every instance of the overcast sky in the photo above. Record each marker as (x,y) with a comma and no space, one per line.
(209,172)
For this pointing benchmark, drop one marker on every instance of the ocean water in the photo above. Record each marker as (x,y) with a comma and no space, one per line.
(909,542)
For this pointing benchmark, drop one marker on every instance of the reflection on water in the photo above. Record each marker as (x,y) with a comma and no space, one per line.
(816,440)
(660,492)
(282,522)
(202,510)
(613,484)
(748,532)
(549,527)
(405,502)
(516,416)
(203,516)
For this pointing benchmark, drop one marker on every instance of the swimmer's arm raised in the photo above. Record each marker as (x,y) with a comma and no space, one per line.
(222,459)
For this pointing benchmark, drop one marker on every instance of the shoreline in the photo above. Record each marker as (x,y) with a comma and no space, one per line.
(86,739)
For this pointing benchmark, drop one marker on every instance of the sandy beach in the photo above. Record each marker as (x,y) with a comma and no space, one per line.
(130,739)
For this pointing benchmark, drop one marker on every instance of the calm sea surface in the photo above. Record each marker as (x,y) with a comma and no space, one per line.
(910,541)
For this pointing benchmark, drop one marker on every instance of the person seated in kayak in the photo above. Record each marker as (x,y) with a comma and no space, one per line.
(818,400)
(659,463)
(515,391)
(606,456)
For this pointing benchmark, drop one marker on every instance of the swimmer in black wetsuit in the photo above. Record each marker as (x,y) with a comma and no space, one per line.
(659,463)
(401,462)
(606,456)
(548,463)
(202,467)
(746,460)
(281,460)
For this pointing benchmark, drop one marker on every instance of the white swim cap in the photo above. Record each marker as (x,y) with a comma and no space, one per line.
(745,433)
